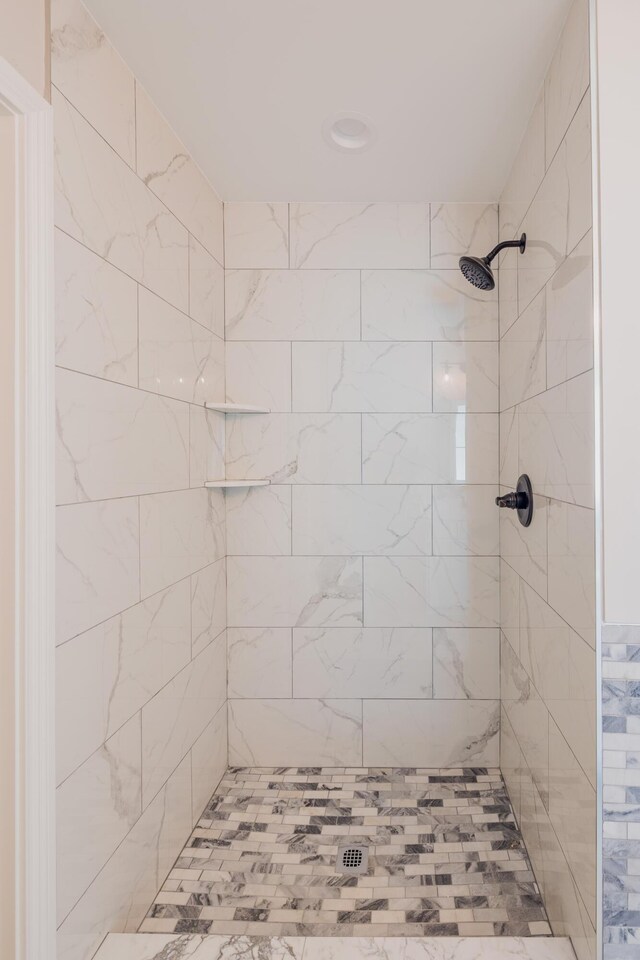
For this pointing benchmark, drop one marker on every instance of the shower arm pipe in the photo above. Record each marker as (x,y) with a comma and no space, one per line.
(521,243)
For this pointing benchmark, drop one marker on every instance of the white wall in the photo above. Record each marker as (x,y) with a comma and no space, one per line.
(8,708)
(363,583)
(548,749)
(24,40)
(618,22)
(141,656)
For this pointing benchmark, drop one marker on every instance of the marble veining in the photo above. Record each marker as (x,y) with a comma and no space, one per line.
(121,221)
(197,947)
(446,860)
(141,716)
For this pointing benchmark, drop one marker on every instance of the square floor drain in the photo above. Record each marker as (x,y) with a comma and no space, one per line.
(352,858)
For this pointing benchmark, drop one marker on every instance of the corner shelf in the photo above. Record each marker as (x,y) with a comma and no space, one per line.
(236,408)
(229,484)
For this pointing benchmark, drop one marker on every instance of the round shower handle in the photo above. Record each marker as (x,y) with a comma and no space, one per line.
(521,499)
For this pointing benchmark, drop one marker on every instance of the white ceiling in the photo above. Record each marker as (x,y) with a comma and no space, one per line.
(448,84)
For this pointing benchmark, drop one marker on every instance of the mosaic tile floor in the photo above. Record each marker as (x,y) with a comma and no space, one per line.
(445,858)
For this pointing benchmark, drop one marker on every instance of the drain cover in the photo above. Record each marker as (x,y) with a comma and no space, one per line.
(352,858)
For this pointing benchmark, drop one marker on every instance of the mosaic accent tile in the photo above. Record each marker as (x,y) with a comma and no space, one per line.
(445,857)
(621,790)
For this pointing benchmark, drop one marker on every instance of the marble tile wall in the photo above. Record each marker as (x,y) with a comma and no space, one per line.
(363,603)
(621,791)
(141,656)
(548,661)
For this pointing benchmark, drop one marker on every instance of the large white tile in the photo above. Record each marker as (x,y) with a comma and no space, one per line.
(535,825)
(97,563)
(544,645)
(430,448)
(180,533)
(360,235)
(256,235)
(529,718)
(344,520)
(294,447)
(510,604)
(431,733)
(151,946)
(562,667)
(462,228)
(208,605)
(466,664)
(206,288)
(465,521)
(294,591)
(108,673)
(115,441)
(120,895)
(568,915)
(354,377)
(295,732)
(428,948)
(568,76)
(431,591)
(560,214)
(96,314)
(362,662)
(572,589)
(575,712)
(100,201)
(206,445)
(425,305)
(292,304)
(572,810)
(89,72)
(556,437)
(511,764)
(523,366)
(259,521)
(527,173)
(165,166)
(177,715)
(208,761)
(259,660)
(95,809)
(465,377)
(259,373)
(525,548)
(508,291)
(570,315)
(509,456)
(178,357)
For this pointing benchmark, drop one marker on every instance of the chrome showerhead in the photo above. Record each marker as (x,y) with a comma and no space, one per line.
(477,270)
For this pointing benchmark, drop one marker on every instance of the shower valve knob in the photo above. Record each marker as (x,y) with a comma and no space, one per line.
(521,499)
(513,501)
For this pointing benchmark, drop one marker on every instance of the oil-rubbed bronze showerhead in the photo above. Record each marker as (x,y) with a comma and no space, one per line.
(477,270)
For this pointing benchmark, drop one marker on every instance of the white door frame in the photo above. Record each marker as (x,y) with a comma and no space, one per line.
(33,617)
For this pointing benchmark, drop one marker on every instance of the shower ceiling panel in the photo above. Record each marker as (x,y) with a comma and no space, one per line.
(447,88)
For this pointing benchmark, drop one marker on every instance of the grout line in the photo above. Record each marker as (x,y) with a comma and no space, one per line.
(132,606)
(135,171)
(137,281)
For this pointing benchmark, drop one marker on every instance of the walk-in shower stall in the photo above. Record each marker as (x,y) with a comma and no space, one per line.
(314,678)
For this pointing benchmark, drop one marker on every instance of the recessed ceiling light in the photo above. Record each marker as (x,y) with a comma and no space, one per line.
(350,132)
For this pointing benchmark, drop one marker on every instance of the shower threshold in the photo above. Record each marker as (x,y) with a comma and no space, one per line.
(445,858)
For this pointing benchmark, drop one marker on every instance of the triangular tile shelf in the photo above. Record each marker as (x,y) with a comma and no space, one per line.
(229,484)
(236,408)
